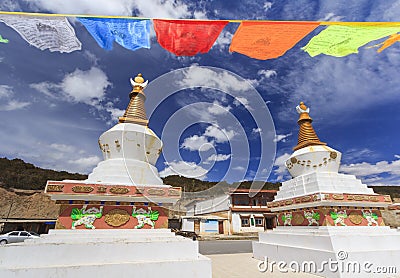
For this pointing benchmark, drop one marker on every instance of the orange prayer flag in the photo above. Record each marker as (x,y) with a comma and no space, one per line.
(268,40)
(391,40)
(187,37)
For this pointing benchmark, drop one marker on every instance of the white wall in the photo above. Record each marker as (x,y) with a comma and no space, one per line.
(237,225)
(187,225)
(216,204)
(190,211)
(236,222)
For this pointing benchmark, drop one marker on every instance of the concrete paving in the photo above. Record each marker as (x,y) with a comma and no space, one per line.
(225,247)
(243,265)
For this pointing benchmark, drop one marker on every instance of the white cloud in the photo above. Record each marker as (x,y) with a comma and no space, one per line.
(13,105)
(55,155)
(7,102)
(197,143)
(330,80)
(162,9)
(220,135)
(218,157)
(279,165)
(282,137)
(101,7)
(87,87)
(196,76)
(224,39)
(397,156)
(218,109)
(242,101)
(63,148)
(380,173)
(239,168)
(207,141)
(358,154)
(366,169)
(392,13)
(267,6)
(115,112)
(9,5)
(5,91)
(331,17)
(152,9)
(183,168)
(200,14)
(167,9)
(267,73)
(256,130)
(85,162)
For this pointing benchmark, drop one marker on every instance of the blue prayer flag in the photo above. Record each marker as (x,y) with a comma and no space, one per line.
(129,33)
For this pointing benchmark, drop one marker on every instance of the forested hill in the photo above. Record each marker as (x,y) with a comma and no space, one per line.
(16,173)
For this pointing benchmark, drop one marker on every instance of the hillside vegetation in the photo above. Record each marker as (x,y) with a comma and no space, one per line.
(18,174)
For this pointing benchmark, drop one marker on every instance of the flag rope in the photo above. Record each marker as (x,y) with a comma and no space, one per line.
(348,23)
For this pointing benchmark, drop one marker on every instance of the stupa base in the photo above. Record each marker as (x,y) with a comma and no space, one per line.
(358,251)
(86,205)
(105,253)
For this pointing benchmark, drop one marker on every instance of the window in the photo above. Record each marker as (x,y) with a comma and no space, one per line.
(24,234)
(245,222)
(259,222)
(14,234)
(241,200)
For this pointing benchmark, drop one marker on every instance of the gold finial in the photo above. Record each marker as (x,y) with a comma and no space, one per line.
(307,136)
(138,84)
(139,78)
(303,106)
(135,112)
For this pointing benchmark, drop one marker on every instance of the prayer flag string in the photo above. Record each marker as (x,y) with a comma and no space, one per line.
(259,39)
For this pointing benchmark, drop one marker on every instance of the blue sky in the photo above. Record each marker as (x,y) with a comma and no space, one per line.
(53,106)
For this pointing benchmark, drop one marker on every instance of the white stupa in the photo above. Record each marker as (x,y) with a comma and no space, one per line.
(114,224)
(130,148)
(324,216)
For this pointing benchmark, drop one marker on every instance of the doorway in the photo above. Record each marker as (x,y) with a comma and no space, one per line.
(220,227)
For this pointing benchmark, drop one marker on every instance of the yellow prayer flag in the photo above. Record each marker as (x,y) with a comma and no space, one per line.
(340,40)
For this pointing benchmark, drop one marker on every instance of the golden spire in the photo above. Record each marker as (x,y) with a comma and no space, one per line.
(307,135)
(135,112)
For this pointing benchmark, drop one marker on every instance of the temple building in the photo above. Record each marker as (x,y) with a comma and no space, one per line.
(238,212)
(323,215)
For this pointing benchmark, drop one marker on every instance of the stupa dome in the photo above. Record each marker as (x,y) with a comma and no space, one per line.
(311,155)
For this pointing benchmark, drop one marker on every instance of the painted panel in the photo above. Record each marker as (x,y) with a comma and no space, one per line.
(111,217)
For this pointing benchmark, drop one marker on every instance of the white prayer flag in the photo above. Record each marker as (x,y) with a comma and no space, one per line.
(53,33)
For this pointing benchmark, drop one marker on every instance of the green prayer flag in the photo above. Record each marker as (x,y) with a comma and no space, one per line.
(3,40)
(341,40)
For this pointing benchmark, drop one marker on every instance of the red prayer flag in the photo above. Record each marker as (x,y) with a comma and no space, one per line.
(268,40)
(187,37)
